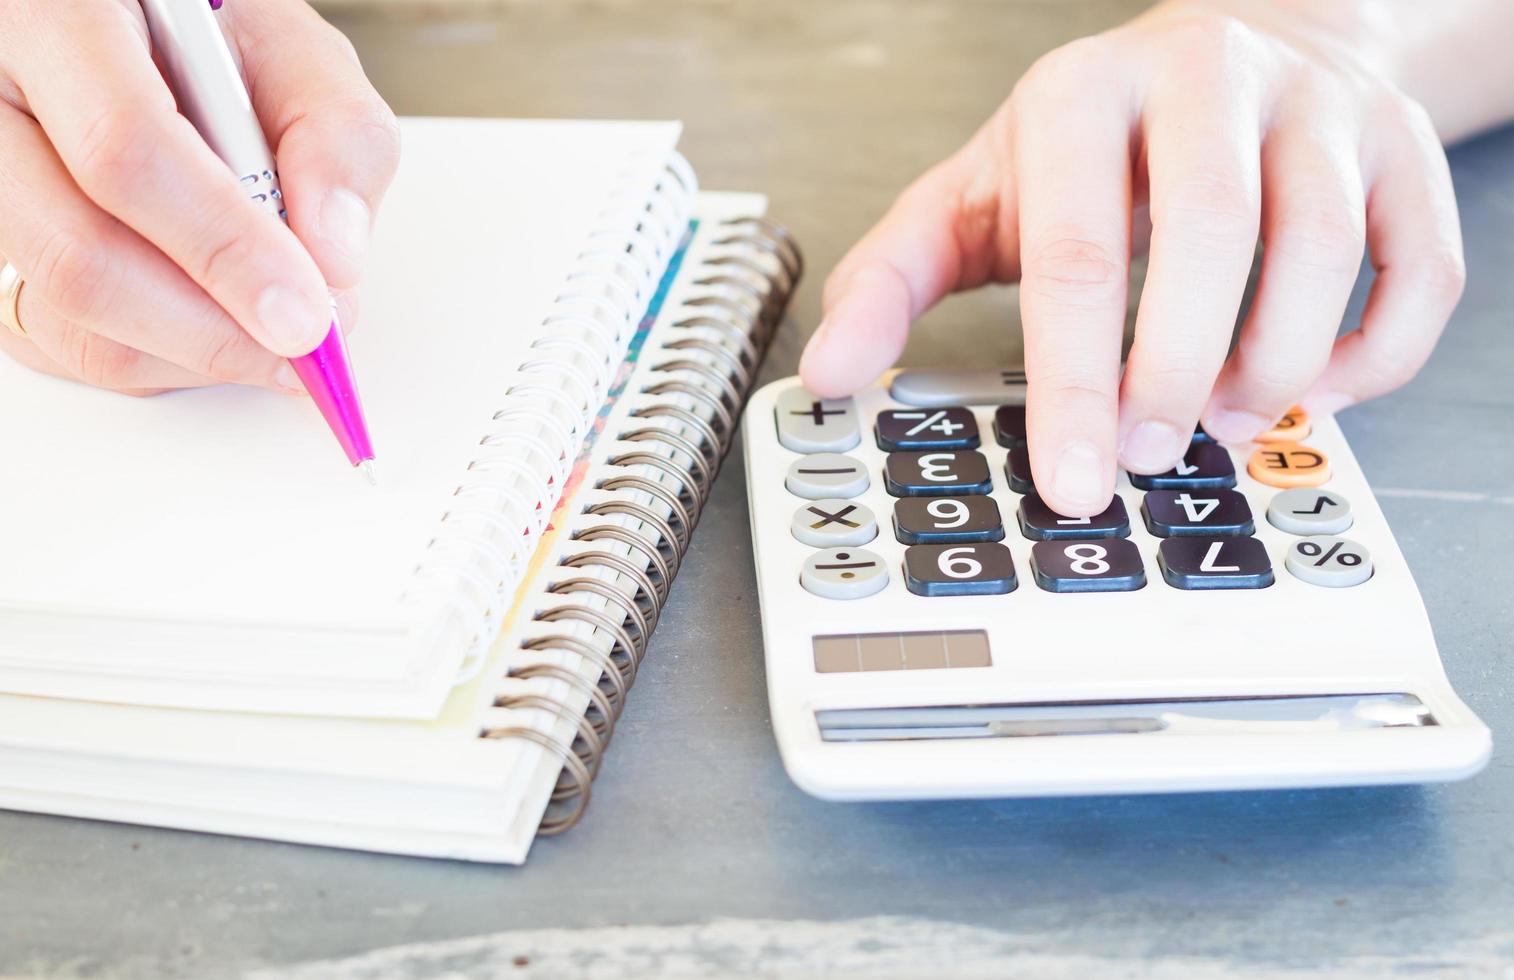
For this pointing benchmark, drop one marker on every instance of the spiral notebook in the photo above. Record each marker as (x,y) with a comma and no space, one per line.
(207,621)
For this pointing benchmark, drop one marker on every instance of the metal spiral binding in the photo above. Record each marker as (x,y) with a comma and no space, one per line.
(472,566)
(630,536)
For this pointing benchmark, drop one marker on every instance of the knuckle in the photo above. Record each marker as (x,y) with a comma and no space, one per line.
(1063,387)
(1064,69)
(1217,206)
(1383,371)
(382,129)
(221,246)
(97,361)
(1327,235)
(1270,380)
(1073,374)
(78,275)
(1179,373)
(1442,273)
(1076,271)
(1400,109)
(1390,359)
(1211,38)
(116,146)
(225,356)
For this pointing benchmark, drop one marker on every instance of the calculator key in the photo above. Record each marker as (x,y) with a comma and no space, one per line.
(1087,566)
(1040,523)
(807,424)
(843,573)
(834,523)
(1307,511)
(1199,435)
(1335,563)
(938,388)
(1289,464)
(1205,465)
(1009,425)
(1017,470)
(947,520)
(959,569)
(1290,428)
(1174,513)
(1214,563)
(945,473)
(824,475)
(940,428)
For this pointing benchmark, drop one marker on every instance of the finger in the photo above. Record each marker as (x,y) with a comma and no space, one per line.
(336,140)
(1202,154)
(101,276)
(1074,254)
(83,355)
(1414,236)
(1313,235)
(117,131)
(949,230)
(347,309)
(25,352)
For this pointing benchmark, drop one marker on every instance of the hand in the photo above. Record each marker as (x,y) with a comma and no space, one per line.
(1219,127)
(146,266)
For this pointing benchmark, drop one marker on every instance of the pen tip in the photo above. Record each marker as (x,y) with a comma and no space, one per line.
(367,467)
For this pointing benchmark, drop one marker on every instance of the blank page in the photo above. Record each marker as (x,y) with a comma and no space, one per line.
(234,506)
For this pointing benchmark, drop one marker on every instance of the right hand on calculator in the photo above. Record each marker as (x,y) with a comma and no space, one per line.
(1202,125)
(145,265)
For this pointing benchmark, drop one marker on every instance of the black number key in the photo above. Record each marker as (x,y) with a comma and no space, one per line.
(1017,470)
(926,428)
(936,474)
(1088,566)
(1009,425)
(959,569)
(1206,465)
(1174,513)
(1040,523)
(1214,563)
(947,520)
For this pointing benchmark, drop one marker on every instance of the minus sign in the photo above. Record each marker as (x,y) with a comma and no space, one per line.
(855,564)
(852,469)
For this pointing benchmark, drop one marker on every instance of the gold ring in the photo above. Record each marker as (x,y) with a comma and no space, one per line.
(10,299)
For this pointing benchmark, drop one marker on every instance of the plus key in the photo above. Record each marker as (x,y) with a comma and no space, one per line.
(807,424)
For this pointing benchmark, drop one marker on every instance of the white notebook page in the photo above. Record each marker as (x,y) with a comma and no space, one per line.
(235,506)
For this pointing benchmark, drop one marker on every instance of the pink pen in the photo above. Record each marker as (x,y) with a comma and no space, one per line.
(212,95)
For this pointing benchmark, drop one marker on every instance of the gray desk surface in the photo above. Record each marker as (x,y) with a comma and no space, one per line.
(831,108)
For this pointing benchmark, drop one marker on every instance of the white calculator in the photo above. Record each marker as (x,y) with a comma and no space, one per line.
(1242,621)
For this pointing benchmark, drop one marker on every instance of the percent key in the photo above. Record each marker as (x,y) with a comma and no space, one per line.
(1335,563)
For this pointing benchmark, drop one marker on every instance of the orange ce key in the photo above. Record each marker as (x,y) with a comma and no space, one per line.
(1288,464)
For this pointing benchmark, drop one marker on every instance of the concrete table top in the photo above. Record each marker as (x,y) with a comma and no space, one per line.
(698,857)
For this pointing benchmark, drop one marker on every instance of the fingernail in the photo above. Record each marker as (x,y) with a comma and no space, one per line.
(1236,426)
(1328,403)
(346,224)
(289,325)
(288,381)
(814,350)
(1079,476)
(1152,447)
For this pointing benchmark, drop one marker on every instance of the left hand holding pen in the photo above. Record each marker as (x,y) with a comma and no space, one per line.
(145,265)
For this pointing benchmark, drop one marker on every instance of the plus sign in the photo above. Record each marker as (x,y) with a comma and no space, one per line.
(818,413)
